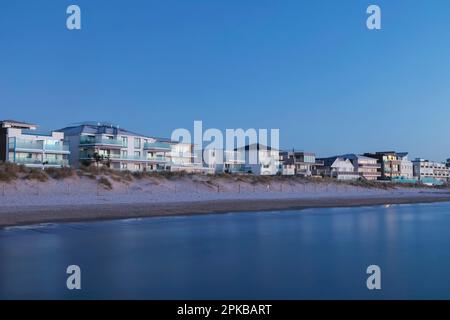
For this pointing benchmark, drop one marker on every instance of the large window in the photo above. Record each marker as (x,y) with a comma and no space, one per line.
(125,141)
(137,143)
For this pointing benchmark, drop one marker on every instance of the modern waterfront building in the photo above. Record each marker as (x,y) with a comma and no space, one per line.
(368,168)
(430,172)
(339,168)
(406,166)
(226,161)
(257,159)
(184,158)
(108,145)
(299,163)
(394,165)
(21,143)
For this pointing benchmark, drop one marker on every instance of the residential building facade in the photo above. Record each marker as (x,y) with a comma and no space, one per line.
(299,163)
(226,161)
(406,166)
(393,165)
(108,145)
(258,160)
(339,168)
(430,172)
(21,143)
(368,168)
(184,158)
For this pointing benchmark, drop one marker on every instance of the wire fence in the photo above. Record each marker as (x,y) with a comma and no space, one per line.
(63,188)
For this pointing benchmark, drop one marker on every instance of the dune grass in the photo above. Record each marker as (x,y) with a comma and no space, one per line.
(10,172)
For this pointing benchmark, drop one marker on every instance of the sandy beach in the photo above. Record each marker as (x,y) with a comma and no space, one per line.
(81,199)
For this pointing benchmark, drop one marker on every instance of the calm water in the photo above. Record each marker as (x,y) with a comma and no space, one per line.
(316,253)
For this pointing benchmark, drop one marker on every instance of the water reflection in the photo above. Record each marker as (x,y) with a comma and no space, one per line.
(314,253)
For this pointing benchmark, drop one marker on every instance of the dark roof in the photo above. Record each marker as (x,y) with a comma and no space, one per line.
(328,161)
(258,146)
(352,156)
(402,154)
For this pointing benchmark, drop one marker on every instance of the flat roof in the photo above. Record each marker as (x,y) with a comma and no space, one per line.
(17,124)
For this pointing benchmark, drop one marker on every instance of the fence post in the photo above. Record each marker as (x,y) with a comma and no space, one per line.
(239,188)
(218,188)
(3,190)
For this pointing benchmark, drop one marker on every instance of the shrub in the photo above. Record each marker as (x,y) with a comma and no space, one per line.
(105,183)
(60,173)
(36,174)
(7,176)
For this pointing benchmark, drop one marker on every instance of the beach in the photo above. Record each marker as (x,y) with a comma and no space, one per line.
(82,199)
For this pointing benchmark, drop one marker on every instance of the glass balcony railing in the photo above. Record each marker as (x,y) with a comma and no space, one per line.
(157,158)
(56,147)
(119,157)
(24,144)
(183,154)
(56,162)
(157,146)
(28,161)
(87,140)
(39,145)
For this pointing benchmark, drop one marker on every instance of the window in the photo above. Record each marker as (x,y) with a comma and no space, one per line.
(125,141)
(124,153)
(137,154)
(124,166)
(137,143)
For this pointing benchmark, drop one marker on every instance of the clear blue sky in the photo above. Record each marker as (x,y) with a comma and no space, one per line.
(309,68)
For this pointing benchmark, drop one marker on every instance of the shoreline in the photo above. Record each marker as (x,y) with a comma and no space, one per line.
(33,215)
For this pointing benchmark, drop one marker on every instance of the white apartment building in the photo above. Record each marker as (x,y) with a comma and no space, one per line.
(21,143)
(183,158)
(260,159)
(406,166)
(226,161)
(108,145)
(427,171)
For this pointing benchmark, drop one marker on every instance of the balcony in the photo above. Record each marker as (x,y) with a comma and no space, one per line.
(37,146)
(56,162)
(49,148)
(100,141)
(39,162)
(157,146)
(28,161)
(32,145)
(183,154)
(157,159)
